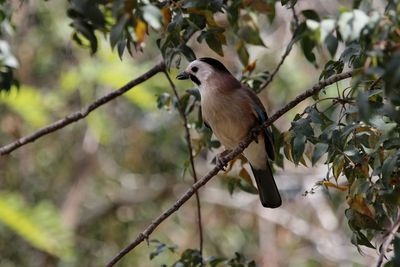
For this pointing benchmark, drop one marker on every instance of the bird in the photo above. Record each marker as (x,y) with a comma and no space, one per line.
(232,110)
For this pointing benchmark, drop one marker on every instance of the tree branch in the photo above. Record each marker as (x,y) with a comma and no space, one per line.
(223,161)
(388,239)
(191,159)
(285,55)
(78,115)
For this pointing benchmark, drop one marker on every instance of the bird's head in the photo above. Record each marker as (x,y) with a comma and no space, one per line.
(202,69)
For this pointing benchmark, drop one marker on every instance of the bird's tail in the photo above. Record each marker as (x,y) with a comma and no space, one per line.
(267,189)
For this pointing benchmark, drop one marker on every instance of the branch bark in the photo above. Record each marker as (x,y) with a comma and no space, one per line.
(78,115)
(223,161)
(388,239)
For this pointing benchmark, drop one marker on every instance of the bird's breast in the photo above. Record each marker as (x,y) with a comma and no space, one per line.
(227,116)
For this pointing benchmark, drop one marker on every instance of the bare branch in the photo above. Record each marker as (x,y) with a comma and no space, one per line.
(191,159)
(224,160)
(388,239)
(285,55)
(295,17)
(78,115)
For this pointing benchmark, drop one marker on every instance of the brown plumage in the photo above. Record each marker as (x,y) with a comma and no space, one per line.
(232,110)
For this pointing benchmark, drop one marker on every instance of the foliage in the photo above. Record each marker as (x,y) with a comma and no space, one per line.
(193,258)
(359,137)
(41,225)
(353,129)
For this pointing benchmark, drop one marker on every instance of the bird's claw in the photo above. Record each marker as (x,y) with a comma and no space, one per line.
(219,160)
(255,132)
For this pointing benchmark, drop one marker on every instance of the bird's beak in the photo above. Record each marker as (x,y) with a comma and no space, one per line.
(183,75)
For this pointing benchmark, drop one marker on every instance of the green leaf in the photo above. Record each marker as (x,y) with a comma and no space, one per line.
(363,106)
(359,239)
(87,31)
(117,29)
(302,127)
(121,47)
(299,143)
(311,14)
(249,32)
(319,150)
(331,43)
(214,39)
(388,167)
(213,42)
(392,79)
(250,36)
(188,52)
(307,45)
(160,248)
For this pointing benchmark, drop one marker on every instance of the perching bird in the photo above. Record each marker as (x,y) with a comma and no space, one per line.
(231,110)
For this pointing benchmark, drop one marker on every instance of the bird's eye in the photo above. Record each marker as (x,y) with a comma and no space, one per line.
(195,69)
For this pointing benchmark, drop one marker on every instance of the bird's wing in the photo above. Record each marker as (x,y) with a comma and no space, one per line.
(261,115)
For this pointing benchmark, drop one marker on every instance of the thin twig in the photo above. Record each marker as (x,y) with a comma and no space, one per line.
(285,55)
(78,115)
(191,158)
(388,239)
(295,17)
(223,161)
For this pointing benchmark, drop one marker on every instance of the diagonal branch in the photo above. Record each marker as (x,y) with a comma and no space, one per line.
(388,239)
(286,54)
(78,115)
(224,160)
(191,159)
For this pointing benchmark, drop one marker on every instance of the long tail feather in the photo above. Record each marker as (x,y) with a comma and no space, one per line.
(267,189)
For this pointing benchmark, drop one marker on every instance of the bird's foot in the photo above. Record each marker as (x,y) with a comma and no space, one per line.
(255,132)
(219,159)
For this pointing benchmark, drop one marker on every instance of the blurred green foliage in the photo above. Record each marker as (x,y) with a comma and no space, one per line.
(77,197)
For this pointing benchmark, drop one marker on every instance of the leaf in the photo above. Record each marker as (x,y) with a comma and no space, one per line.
(242,53)
(319,150)
(331,43)
(363,106)
(358,221)
(121,47)
(117,29)
(247,178)
(214,39)
(388,167)
(166,14)
(140,31)
(302,127)
(358,203)
(160,248)
(360,239)
(338,165)
(299,143)
(332,185)
(249,32)
(152,15)
(88,32)
(188,52)
(311,14)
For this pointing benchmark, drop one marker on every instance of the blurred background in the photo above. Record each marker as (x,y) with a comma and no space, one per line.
(79,195)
